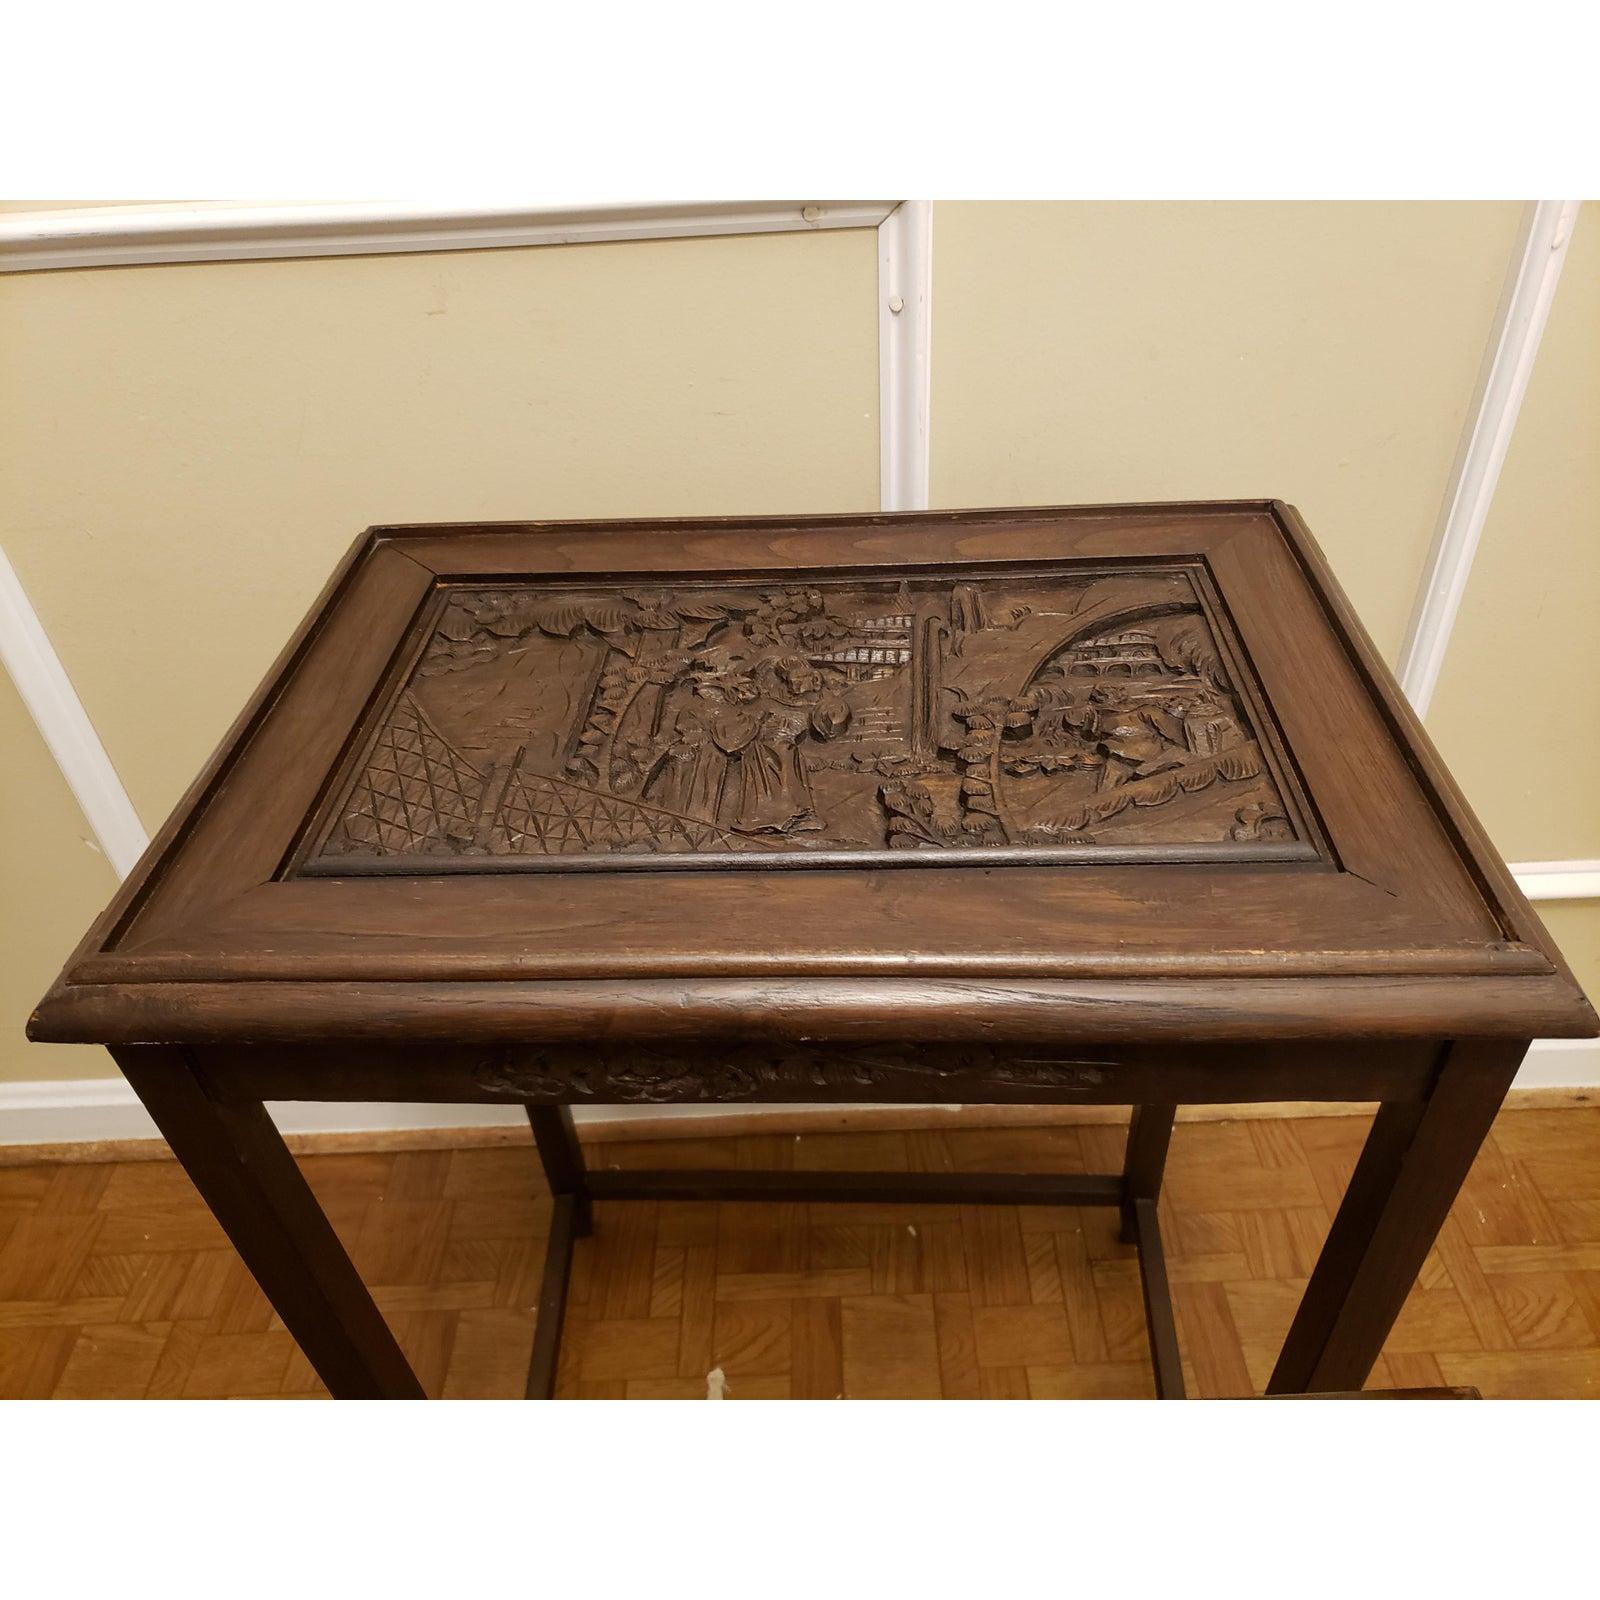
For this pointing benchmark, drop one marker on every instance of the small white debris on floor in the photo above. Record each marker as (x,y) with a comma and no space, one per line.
(911,1230)
(716,1384)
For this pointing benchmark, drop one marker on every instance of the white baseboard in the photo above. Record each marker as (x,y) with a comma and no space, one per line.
(85,1109)
(1561,1064)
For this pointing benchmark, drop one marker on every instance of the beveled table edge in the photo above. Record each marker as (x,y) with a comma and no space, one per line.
(1131,1010)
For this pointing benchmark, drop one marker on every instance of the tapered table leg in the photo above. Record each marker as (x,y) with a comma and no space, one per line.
(1149,1134)
(552,1309)
(1166,1359)
(255,1189)
(1414,1162)
(571,1218)
(562,1158)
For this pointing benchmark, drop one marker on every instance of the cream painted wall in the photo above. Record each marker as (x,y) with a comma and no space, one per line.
(1322,353)
(1517,710)
(1575,927)
(186,451)
(53,883)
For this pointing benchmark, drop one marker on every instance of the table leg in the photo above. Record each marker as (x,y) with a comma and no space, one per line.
(1414,1161)
(255,1189)
(571,1218)
(562,1158)
(552,1310)
(1149,1134)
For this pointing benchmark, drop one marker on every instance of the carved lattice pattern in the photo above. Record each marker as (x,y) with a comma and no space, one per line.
(416,791)
(548,816)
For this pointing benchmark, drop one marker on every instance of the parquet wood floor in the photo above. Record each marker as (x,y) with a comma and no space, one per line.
(115,1282)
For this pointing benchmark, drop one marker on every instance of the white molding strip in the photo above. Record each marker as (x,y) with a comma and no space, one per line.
(1560,1064)
(1558,880)
(1503,380)
(123,236)
(905,331)
(53,703)
(77,1111)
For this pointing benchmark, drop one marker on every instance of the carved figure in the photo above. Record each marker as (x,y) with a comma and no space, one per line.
(1066,706)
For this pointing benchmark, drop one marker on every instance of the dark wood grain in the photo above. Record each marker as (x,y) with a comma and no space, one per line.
(1008,715)
(1162,1331)
(890,1188)
(1149,1134)
(1412,1165)
(1145,1010)
(1482,860)
(556,1140)
(707,1069)
(243,1171)
(1087,804)
(1398,886)
(546,1354)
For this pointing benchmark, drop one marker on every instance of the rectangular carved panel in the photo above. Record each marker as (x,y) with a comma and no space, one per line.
(958,717)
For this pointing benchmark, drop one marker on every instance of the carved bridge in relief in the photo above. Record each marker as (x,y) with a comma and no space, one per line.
(1054,713)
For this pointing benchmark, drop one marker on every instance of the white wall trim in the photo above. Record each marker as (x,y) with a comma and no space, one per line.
(1502,382)
(1560,1064)
(123,236)
(77,1111)
(1558,880)
(53,703)
(905,281)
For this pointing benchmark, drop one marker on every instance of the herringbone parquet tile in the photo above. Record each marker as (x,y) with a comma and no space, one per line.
(114,1280)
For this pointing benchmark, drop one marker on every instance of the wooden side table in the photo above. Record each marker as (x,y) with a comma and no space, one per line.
(1105,804)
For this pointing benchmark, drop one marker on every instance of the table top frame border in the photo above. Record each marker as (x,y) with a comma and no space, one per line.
(1522,983)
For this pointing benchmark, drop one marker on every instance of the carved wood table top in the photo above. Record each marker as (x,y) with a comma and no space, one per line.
(1106,802)
(1159,768)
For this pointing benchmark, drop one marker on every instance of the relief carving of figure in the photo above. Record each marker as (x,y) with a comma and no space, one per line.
(735,758)
(850,713)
